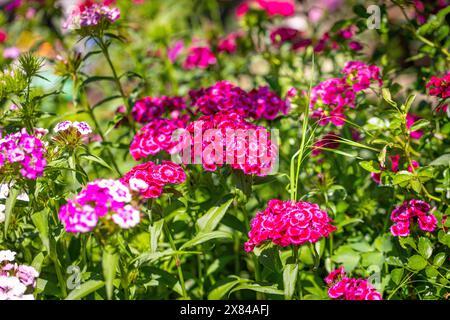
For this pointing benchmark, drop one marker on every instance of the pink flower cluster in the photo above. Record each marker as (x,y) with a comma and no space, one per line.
(91,14)
(289,223)
(403,215)
(103,200)
(149,108)
(228,44)
(21,150)
(330,98)
(154,137)
(295,37)
(440,87)
(16,281)
(333,41)
(284,8)
(199,57)
(343,288)
(81,127)
(361,76)
(149,179)
(247,146)
(225,96)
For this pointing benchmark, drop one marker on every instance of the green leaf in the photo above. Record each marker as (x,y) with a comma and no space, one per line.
(290,273)
(439,259)
(258,288)
(9,206)
(110,261)
(346,256)
(209,221)
(409,102)
(416,185)
(431,272)
(402,178)
(97,78)
(85,289)
(397,275)
(91,157)
(103,101)
(443,160)
(417,262)
(387,97)
(407,241)
(221,291)
(369,166)
(425,247)
(40,220)
(204,237)
(155,232)
(394,261)
(419,124)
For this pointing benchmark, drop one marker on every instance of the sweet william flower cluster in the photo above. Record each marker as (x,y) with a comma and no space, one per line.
(22,153)
(17,282)
(104,200)
(403,216)
(225,96)
(155,137)
(149,179)
(149,108)
(341,287)
(227,138)
(289,223)
(90,14)
(330,98)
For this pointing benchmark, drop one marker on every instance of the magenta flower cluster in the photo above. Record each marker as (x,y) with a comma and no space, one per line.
(289,223)
(23,152)
(103,200)
(154,137)
(341,287)
(149,108)
(403,215)
(16,281)
(225,96)
(330,98)
(91,14)
(149,179)
(226,138)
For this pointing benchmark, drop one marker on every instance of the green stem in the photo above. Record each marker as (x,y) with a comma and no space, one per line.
(177,260)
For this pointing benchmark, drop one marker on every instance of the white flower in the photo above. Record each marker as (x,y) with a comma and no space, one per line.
(11,288)
(7,255)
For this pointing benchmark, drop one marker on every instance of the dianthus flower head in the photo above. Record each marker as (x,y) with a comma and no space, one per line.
(403,217)
(149,108)
(226,138)
(155,137)
(105,200)
(16,281)
(439,87)
(91,14)
(289,223)
(225,96)
(199,57)
(360,75)
(149,179)
(23,153)
(341,287)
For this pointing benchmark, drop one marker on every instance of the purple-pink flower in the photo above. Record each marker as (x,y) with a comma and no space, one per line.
(24,153)
(289,223)
(199,57)
(403,216)
(101,201)
(341,287)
